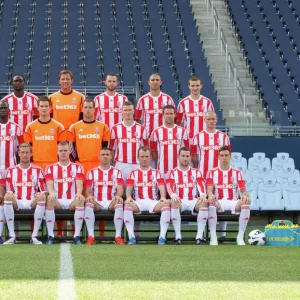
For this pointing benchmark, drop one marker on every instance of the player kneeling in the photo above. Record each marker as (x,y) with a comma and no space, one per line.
(104,190)
(65,185)
(143,184)
(223,185)
(186,188)
(25,189)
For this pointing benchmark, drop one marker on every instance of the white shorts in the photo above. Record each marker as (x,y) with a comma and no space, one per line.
(104,204)
(125,168)
(228,205)
(146,205)
(24,203)
(64,203)
(188,205)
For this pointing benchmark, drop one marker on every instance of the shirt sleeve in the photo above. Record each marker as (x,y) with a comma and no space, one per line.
(194,145)
(160,179)
(8,181)
(89,182)
(139,110)
(241,181)
(41,182)
(28,134)
(200,183)
(120,180)
(106,134)
(48,174)
(179,115)
(227,142)
(171,102)
(130,179)
(112,142)
(61,133)
(186,140)
(19,135)
(210,106)
(35,111)
(145,140)
(80,173)
(97,110)
(209,178)
(71,134)
(170,182)
(2,182)
(153,141)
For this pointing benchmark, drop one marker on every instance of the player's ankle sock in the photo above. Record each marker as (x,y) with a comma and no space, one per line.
(212,220)
(118,218)
(38,217)
(176,221)
(2,219)
(223,226)
(50,220)
(89,218)
(78,220)
(129,220)
(201,221)
(243,220)
(10,217)
(164,221)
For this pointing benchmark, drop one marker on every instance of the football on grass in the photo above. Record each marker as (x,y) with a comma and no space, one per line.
(256,238)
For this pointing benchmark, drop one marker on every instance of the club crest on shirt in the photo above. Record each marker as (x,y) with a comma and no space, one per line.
(97,129)
(32,178)
(73,173)
(74,100)
(27,105)
(51,130)
(137,135)
(177,136)
(10,131)
(120,103)
(203,108)
(113,177)
(193,178)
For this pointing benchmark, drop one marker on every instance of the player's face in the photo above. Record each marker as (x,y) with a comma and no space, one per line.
(128,112)
(144,158)
(105,156)
(4,109)
(169,116)
(184,158)
(25,155)
(63,152)
(111,83)
(65,81)
(88,109)
(18,83)
(211,120)
(44,108)
(155,82)
(195,87)
(224,157)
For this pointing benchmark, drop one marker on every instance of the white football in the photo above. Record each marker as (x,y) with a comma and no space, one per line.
(256,238)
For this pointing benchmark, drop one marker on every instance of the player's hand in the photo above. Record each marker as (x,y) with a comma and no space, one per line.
(90,199)
(246,199)
(176,199)
(129,200)
(79,197)
(39,196)
(119,199)
(203,199)
(212,199)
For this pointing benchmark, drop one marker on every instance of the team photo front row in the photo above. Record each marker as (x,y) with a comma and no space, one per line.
(64,185)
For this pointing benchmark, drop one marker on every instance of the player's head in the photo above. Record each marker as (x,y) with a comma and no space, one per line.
(195,85)
(25,153)
(18,82)
(111,81)
(88,109)
(65,79)
(105,156)
(144,156)
(63,151)
(211,120)
(128,110)
(44,105)
(169,114)
(155,82)
(224,156)
(4,110)
(184,156)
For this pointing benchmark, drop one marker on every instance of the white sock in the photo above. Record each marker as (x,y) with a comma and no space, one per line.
(118,218)
(2,219)
(38,217)
(78,220)
(212,220)
(201,221)
(243,220)
(129,220)
(176,221)
(164,221)
(223,226)
(10,217)
(89,218)
(50,220)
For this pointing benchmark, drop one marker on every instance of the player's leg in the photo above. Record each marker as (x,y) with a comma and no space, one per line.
(51,205)
(38,204)
(89,217)
(2,218)
(202,209)
(223,227)
(77,205)
(176,221)
(10,204)
(212,221)
(117,207)
(129,209)
(163,207)
(244,209)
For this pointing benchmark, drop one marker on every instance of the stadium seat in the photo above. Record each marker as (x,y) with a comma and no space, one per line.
(252,190)
(264,171)
(237,160)
(257,159)
(287,172)
(270,195)
(282,159)
(291,194)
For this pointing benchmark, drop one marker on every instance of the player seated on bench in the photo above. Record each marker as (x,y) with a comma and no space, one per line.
(25,189)
(186,188)
(142,188)
(64,181)
(223,186)
(104,190)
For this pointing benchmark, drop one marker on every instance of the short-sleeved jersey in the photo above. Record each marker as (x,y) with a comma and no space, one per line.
(167,142)
(88,137)
(10,137)
(126,140)
(64,179)
(187,185)
(67,107)
(22,110)
(25,183)
(206,146)
(109,108)
(151,109)
(191,113)
(145,183)
(104,183)
(44,137)
(226,183)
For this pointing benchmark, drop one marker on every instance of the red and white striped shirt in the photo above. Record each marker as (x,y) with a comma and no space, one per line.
(22,109)
(126,140)
(151,109)
(206,146)
(104,183)
(187,185)
(10,138)
(145,183)
(226,183)
(25,183)
(64,179)
(109,108)
(167,142)
(191,113)
(2,181)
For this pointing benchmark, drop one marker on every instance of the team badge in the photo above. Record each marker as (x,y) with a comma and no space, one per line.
(177,136)
(113,177)
(137,135)
(119,103)
(10,131)
(73,173)
(97,129)
(51,130)
(203,108)
(32,178)
(27,105)
(74,100)
(192,178)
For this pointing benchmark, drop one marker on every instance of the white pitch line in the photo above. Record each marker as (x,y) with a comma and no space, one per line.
(66,284)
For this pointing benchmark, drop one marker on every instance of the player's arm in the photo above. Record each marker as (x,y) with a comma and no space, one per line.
(50,188)
(105,137)
(129,187)
(138,112)
(171,189)
(195,160)
(210,189)
(153,147)
(244,194)
(162,190)
(2,190)
(201,187)
(179,115)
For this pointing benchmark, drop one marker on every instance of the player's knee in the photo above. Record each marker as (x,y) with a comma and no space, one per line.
(50,204)
(79,202)
(9,197)
(41,198)
(174,205)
